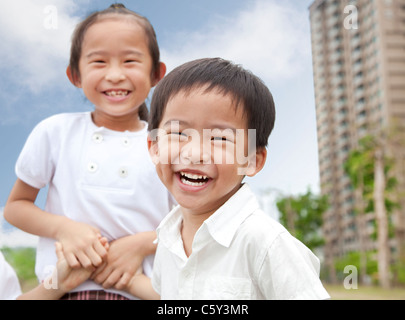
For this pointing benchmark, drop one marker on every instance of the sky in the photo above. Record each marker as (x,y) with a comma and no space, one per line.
(269,37)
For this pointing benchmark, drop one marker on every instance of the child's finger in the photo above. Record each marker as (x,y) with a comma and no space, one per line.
(59,251)
(93,257)
(84,260)
(100,249)
(104,242)
(123,282)
(98,270)
(72,261)
(112,279)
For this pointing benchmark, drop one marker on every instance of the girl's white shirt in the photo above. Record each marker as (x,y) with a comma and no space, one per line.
(94,175)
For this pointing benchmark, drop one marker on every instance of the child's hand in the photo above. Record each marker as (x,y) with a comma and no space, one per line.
(141,286)
(68,278)
(81,245)
(125,257)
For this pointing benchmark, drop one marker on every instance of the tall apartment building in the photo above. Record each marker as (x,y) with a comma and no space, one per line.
(358,49)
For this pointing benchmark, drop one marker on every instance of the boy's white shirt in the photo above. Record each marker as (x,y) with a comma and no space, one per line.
(238,253)
(9,284)
(95,175)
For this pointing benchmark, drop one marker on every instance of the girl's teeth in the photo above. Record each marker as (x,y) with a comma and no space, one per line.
(116,93)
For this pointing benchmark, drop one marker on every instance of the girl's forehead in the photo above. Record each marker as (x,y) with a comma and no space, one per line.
(116,21)
(107,29)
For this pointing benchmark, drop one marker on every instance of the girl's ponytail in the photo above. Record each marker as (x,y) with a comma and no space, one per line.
(143,112)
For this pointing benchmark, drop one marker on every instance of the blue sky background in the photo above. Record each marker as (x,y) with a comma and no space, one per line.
(269,37)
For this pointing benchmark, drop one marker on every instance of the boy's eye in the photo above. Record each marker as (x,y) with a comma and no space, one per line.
(178,135)
(220,139)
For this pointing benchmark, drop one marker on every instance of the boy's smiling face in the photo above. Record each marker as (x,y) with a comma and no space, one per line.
(202,135)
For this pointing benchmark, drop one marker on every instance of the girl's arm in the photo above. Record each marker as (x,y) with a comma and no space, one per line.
(21,212)
(80,241)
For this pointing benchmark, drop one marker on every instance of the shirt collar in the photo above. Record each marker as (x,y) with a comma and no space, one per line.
(222,225)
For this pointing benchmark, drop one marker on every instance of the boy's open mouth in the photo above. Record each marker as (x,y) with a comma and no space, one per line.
(192,179)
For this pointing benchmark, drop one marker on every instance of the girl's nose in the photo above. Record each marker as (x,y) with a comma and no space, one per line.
(115,74)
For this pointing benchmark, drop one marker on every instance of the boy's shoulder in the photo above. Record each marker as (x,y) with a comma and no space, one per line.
(242,218)
(261,228)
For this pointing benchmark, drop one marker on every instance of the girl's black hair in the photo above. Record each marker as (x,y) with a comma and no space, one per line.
(116,8)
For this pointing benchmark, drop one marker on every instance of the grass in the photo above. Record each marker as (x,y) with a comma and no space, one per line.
(23,261)
(338,292)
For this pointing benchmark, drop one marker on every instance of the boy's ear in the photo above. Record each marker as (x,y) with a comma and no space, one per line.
(153,150)
(256,162)
(73,79)
(159,74)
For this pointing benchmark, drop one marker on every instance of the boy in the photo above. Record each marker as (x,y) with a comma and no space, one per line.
(210,121)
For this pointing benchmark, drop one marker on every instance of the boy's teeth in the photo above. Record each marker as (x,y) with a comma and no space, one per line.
(193,176)
(194,180)
(190,183)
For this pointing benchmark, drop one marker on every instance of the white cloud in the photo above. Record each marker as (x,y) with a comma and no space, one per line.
(35,38)
(12,237)
(272,39)
(268,38)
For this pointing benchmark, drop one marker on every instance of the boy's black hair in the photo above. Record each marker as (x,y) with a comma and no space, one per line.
(246,90)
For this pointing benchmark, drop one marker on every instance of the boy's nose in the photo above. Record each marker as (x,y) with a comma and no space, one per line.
(195,152)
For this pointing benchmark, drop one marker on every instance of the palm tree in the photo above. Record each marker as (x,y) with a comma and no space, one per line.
(359,172)
(372,153)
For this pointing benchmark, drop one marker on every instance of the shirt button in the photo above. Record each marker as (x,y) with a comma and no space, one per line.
(92,167)
(126,142)
(97,138)
(188,275)
(123,172)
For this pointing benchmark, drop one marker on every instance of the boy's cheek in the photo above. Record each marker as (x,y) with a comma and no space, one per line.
(167,152)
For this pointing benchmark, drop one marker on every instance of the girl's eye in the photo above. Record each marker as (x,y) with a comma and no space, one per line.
(132,60)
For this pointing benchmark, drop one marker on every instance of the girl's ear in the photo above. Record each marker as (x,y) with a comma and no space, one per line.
(73,79)
(159,74)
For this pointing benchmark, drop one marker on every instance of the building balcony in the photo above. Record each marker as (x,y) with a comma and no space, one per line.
(333,33)
(334,44)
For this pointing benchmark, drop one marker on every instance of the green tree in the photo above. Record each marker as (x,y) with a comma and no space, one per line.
(302,216)
(369,167)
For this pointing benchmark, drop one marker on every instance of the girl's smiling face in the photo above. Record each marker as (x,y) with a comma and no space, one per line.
(115,70)
(198,148)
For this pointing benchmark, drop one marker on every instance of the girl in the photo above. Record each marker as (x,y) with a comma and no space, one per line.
(101,179)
